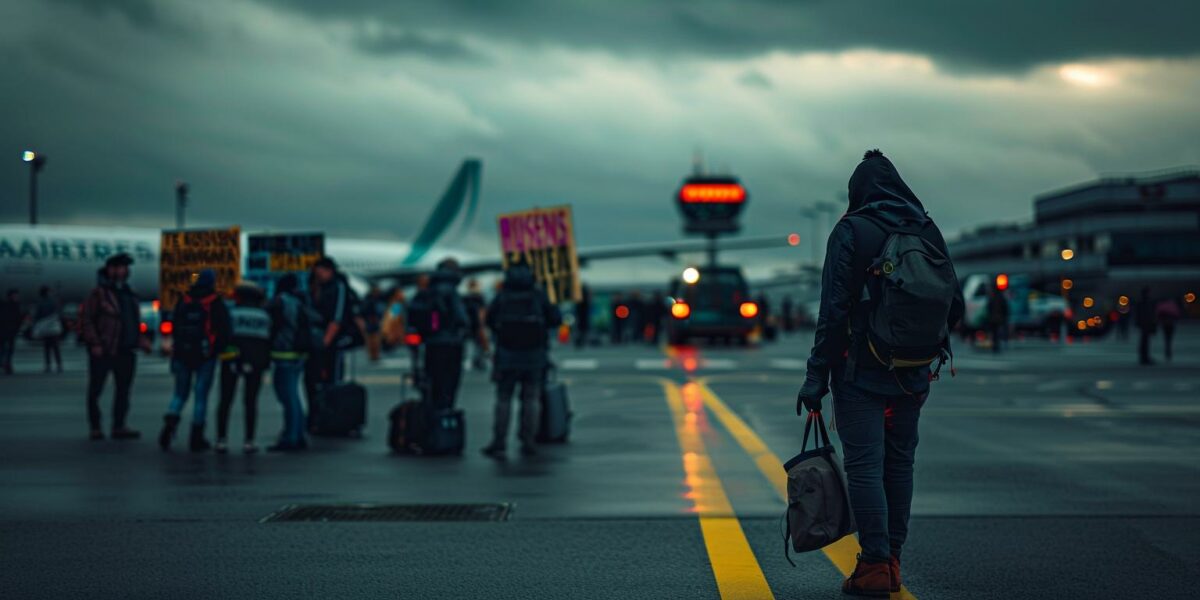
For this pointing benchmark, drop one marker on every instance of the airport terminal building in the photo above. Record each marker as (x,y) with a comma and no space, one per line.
(1100,240)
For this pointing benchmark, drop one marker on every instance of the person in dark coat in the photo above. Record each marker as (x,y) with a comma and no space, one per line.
(876,409)
(521,317)
(997,318)
(11,318)
(291,340)
(440,317)
(1147,322)
(110,328)
(653,314)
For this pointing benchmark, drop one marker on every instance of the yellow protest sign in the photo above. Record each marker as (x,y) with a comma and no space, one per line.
(186,252)
(544,239)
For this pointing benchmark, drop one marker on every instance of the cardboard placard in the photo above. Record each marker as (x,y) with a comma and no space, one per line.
(544,239)
(186,252)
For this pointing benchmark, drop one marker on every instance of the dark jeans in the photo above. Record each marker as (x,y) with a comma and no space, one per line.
(7,345)
(1144,346)
(286,379)
(231,371)
(194,380)
(879,455)
(443,368)
(531,404)
(122,366)
(50,348)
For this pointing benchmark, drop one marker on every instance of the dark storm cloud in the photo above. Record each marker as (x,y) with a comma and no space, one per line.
(141,13)
(984,34)
(397,42)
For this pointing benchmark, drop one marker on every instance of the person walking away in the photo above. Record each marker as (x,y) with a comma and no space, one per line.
(474,304)
(1147,322)
(522,317)
(787,313)
(110,328)
(1168,313)
(583,317)
(246,357)
(374,307)
(11,318)
(440,317)
(879,381)
(48,327)
(997,318)
(200,330)
(654,312)
(291,339)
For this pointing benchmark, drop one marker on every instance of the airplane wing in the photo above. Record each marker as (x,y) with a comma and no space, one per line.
(667,250)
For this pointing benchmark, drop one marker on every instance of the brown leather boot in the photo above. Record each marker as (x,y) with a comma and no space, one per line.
(873,580)
(894,565)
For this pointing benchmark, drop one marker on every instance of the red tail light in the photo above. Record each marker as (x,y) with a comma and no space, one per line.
(142,327)
(622,312)
(412,339)
(748,310)
(680,310)
(165,328)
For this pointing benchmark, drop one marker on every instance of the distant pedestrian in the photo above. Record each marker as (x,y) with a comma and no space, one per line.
(110,327)
(997,318)
(246,357)
(654,313)
(787,313)
(1147,322)
(522,317)
(48,327)
(374,307)
(292,337)
(475,306)
(11,318)
(439,316)
(619,315)
(583,317)
(393,319)
(637,318)
(200,331)
(877,391)
(1168,313)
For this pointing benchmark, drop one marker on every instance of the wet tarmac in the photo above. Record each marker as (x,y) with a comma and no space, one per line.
(1050,471)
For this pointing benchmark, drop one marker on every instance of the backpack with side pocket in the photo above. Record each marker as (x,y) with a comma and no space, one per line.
(192,335)
(520,321)
(908,293)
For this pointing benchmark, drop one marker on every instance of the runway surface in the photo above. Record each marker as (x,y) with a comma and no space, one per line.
(1049,471)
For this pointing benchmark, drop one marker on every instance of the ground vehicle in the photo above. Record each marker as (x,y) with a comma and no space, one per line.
(711,302)
(1029,310)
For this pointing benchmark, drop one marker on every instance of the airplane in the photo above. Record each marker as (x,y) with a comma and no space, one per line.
(66,257)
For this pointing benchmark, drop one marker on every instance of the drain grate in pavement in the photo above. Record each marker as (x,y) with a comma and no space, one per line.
(294,513)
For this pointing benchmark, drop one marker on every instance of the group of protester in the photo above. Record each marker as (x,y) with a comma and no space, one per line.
(302,335)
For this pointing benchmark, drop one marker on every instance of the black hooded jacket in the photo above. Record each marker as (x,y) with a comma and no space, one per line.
(519,281)
(879,200)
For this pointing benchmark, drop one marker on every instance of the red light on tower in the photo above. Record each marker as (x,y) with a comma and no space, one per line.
(1002,282)
(714,193)
(793,239)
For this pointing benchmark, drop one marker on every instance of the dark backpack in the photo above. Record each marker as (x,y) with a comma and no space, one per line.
(192,335)
(909,289)
(520,321)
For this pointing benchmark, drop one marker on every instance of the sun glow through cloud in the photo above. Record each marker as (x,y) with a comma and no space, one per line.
(1086,76)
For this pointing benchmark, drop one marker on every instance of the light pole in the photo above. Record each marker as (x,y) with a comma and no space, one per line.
(181,192)
(37,162)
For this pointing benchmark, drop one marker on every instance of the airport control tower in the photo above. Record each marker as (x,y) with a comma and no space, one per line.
(710,205)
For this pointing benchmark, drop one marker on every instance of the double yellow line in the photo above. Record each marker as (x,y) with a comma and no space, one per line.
(735,568)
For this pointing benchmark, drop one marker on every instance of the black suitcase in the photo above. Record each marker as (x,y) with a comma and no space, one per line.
(406,426)
(341,410)
(555,425)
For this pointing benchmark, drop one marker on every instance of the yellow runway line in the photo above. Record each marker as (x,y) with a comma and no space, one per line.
(842,553)
(734,566)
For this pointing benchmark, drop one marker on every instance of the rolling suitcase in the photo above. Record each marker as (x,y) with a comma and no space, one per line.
(406,422)
(555,425)
(340,409)
(446,432)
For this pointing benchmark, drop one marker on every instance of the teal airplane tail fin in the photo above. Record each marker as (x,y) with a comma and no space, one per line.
(463,192)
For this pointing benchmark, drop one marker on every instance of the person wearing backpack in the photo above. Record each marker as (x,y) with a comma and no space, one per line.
(889,298)
(246,357)
(521,318)
(200,330)
(291,340)
(438,314)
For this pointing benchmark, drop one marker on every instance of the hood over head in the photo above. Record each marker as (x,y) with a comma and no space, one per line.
(876,189)
(205,284)
(519,278)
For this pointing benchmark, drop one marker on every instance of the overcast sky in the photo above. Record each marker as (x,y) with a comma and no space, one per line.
(353,115)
